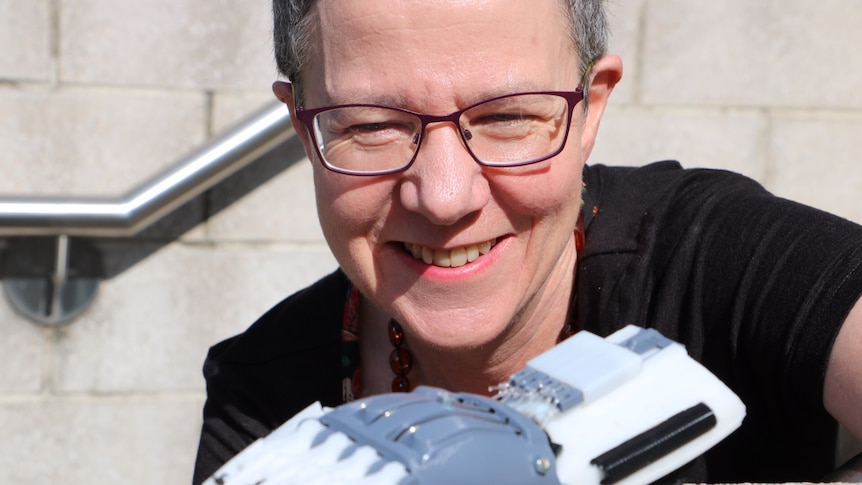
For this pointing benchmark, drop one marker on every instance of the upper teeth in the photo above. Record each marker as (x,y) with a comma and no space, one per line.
(450,258)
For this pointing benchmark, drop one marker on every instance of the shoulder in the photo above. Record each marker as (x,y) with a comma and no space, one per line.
(663,239)
(287,358)
(629,210)
(630,193)
(755,286)
(294,324)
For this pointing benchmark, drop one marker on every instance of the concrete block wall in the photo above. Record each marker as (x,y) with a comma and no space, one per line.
(768,88)
(96,96)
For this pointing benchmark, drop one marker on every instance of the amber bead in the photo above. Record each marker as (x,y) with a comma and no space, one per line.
(396,335)
(400,384)
(400,361)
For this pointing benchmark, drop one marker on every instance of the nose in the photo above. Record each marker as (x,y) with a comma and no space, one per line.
(444,183)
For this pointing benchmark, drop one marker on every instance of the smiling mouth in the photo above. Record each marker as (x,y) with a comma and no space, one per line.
(452,258)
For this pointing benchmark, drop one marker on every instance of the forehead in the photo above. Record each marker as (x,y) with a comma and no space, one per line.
(423,53)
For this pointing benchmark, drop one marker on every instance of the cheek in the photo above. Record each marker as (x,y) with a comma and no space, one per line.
(337,216)
(349,208)
(554,193)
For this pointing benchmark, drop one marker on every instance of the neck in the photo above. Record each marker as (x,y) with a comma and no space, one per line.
(476,369)
(472,370)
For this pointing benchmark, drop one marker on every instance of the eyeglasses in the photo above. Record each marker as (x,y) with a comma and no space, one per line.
(505,131)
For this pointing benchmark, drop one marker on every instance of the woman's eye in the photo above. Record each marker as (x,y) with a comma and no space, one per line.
(505,117)
(369,127)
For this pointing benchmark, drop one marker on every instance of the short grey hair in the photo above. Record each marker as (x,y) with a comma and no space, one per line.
(294,21)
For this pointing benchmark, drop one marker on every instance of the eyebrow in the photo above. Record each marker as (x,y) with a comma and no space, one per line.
(355,98)
(396,101)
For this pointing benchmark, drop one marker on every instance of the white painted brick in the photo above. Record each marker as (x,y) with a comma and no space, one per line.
(107,440)
(753,53)
(152,324)
(25,34)
(89,142)
(228,109)
(282,209)
(696,138)
(815,160)
(24,348)
(625,41)
(273,199)
(188,43)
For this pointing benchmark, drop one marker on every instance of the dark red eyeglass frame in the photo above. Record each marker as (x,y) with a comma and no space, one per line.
(306,117)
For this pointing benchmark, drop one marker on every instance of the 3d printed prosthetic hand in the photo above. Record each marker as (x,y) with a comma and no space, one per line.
(627,409)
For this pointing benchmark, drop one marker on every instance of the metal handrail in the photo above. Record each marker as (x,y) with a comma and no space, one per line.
(127,215)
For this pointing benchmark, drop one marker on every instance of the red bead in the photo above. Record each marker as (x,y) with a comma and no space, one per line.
(400,384)
(396,335)
(356,383)
(580,236)
(400,361)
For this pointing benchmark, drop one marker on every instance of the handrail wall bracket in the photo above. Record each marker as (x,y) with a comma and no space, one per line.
(51,281)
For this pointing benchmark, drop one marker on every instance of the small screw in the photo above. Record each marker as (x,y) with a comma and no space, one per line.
(543,465)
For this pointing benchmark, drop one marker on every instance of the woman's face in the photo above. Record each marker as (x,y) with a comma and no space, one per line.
(513,226)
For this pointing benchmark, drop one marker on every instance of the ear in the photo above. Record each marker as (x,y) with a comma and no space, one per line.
(284,92)
(606,73)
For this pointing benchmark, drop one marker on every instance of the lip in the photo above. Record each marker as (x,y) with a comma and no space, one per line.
(438,273)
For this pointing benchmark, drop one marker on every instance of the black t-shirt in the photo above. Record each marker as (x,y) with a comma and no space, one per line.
(756,287)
